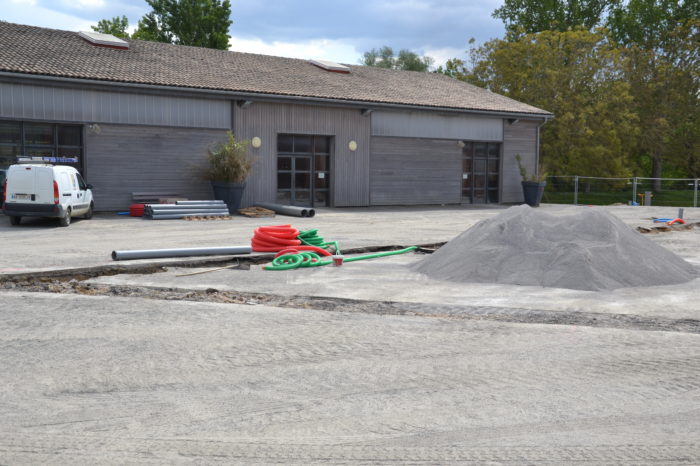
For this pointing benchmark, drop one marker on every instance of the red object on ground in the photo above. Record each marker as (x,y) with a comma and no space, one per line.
(136,210)
(677,220)
(281,238)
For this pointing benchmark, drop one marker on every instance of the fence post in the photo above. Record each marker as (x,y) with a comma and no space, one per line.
(634,189)
(695,192)
(576,190)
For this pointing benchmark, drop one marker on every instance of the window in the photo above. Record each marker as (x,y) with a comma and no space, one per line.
(57,143)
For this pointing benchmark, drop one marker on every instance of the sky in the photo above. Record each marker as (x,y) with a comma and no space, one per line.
(336,30)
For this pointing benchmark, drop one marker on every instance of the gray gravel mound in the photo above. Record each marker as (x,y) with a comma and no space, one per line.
(588,250)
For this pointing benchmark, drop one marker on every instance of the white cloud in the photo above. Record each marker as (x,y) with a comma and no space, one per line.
(322,49)
(24,2)
(78,4)
(441,55)
(43,17)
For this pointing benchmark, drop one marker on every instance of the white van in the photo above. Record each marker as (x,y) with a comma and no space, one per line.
(43,190)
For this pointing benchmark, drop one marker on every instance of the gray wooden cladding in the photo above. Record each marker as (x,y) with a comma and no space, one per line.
(47,103)
(121,160)
(518,138)
(350,170)
(408,171)
(426,124)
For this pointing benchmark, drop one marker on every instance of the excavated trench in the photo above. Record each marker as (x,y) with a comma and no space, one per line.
(74,281)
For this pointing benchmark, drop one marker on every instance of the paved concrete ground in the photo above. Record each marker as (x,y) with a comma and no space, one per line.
(40,244)
(468,378)
(94,380)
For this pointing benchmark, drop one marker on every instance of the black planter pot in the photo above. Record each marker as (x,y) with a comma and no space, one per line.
(230,193)
(533,191)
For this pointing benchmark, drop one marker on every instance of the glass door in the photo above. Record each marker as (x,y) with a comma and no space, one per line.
(303,170)
(480,172)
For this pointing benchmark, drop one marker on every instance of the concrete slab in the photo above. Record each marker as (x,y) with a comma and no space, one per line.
(40,244)
(98,380)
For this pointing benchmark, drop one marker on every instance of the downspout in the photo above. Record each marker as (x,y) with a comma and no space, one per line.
(537,144)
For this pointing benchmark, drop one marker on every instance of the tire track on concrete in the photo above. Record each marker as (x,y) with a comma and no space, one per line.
(17,448)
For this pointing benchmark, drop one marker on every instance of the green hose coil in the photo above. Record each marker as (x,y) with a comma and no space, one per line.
(311,259)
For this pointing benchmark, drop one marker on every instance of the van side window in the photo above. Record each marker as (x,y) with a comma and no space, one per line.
(81,183)
(75,185)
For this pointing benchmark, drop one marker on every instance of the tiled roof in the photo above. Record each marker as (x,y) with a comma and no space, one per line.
(33,50)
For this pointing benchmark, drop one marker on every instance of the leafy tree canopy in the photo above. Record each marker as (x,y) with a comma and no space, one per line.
(405,60)
(116,26)
(575,75)
(528,16)
(200,23)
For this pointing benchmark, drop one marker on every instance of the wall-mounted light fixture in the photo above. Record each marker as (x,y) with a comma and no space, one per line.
(94,128)
(461,144)
(244,103)
(513,121)
(366,111)
(256,142)
(352,145)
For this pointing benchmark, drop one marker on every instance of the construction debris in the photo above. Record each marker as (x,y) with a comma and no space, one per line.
(668,228)
(256,212)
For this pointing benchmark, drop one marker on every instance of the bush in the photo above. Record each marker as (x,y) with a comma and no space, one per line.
(229,162)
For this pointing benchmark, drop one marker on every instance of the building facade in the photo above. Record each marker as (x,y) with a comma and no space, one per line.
(140,119)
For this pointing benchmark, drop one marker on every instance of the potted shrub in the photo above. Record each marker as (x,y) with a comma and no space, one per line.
(229,167)
(533,185)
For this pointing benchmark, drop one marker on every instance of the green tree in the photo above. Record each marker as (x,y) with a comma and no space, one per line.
(662,43)
(576,75)
(200,23)
(405,60)
(116,26)
(528,16)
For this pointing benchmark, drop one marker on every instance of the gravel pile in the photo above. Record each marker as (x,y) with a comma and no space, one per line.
(588,250)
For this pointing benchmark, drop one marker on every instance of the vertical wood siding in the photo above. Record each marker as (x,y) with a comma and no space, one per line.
(519,138)
(33,102)
(434,125)
(126,159)
(350,170)
(408,171)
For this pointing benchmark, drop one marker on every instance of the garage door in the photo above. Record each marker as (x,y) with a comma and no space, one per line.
(409,171)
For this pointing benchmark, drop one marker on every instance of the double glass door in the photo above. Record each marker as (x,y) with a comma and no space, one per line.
(303,170)
(480,172)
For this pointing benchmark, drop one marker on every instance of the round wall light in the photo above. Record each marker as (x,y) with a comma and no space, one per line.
(352,145)
(256,142)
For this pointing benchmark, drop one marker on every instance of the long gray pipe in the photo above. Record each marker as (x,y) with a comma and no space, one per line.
(186,252)
(287,209)
(188,209)
(198,202)
(174,216)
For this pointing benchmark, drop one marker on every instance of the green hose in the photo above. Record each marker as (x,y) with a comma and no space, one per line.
(380,254)
(311,259)
(311,238)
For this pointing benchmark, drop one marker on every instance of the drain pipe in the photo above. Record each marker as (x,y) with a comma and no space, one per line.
(186,252)
(290,210)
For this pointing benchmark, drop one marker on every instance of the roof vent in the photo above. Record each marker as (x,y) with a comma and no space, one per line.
(104,40)
(330,66)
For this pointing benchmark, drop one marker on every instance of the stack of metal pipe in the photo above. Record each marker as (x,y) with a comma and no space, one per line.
(183,209)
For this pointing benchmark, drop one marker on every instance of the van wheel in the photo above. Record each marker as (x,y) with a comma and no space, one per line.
(65,220)
(15,219)
(88,214)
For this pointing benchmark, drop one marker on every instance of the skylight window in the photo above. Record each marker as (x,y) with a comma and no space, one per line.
(104,40)
(330,66)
